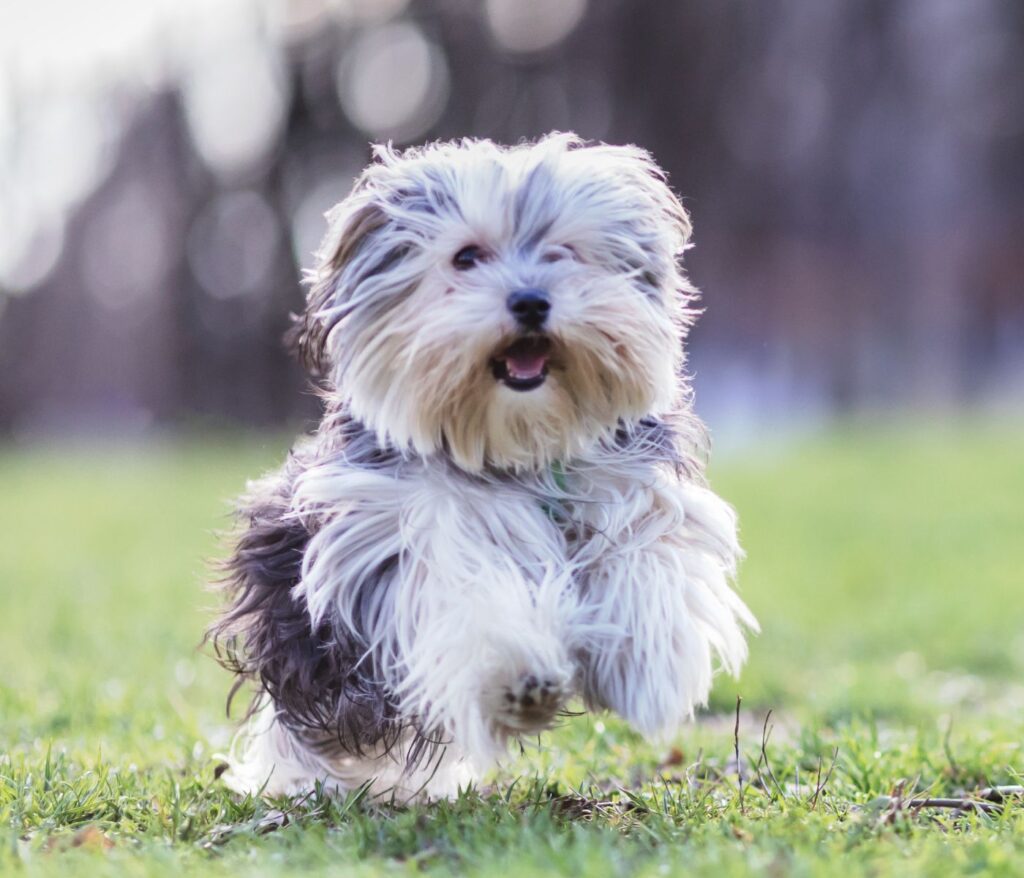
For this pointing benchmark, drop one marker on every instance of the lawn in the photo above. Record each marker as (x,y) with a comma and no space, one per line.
(886,566)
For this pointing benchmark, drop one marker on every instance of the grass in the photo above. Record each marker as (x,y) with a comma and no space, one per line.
(885,566)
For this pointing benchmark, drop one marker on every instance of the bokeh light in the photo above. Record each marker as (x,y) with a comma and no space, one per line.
(532,25)
(235,102)
(126,252)
(27,259)
(231,245)
(393,83)
(854,179)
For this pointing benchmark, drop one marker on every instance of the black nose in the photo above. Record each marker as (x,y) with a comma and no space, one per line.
(529,307)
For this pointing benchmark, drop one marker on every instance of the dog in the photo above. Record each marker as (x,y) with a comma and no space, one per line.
(504,506)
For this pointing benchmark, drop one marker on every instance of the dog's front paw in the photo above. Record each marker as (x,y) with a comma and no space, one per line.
(531,702)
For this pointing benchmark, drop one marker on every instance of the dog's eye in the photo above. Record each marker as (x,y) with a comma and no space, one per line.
(557,254)
(467,257)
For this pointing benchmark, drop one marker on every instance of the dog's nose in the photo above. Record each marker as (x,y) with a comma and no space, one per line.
(529,307)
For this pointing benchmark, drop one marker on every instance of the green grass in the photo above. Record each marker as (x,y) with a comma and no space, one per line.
(886,566)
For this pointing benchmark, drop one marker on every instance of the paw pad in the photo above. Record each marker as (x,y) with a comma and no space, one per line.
(533,700)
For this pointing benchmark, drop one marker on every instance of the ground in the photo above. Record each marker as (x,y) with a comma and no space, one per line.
(885,565)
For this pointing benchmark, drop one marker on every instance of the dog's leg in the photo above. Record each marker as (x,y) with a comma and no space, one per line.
(325,715)
(469,627)
(481,615)
(657,602)
(270,759)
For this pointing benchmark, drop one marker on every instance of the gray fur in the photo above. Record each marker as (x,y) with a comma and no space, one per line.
(323,683)
(443,539)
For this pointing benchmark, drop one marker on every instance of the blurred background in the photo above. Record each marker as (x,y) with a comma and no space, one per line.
(855,170)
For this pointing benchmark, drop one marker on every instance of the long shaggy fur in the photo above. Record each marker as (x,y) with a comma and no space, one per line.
(449,560)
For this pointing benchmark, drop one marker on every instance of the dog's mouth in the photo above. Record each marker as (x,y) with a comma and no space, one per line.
(523,365)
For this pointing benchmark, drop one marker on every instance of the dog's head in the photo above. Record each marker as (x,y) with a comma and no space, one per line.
(507,306)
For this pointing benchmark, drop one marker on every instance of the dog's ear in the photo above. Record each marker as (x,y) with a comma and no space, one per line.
(351,225)
(658,228)
(638,167)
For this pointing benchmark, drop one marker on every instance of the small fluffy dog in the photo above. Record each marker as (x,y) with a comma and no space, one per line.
(504,506)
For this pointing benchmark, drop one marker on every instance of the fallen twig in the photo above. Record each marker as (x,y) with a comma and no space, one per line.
(990,800)
(1000,794)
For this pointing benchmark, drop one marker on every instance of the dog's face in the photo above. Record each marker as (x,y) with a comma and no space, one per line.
(506,306)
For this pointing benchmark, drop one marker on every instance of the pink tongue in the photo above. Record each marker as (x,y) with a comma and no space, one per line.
(525,365)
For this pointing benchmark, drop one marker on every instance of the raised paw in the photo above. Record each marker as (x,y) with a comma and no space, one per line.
(532,702)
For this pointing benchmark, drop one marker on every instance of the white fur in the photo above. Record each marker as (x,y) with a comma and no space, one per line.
(266,759)
(530,541)
(413,371)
